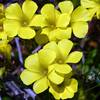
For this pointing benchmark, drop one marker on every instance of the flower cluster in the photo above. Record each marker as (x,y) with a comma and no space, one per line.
(53,26)
(50,68)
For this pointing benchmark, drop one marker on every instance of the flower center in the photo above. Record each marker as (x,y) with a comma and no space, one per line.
(60,61)
(45,71)
(24,22)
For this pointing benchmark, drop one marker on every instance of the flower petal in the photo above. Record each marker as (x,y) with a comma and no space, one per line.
(62,68)
(26,33)
(80,14)
(73,86)
(11,27)
(55,78)
(46,57)
(88,3)
(63,33)
(66,7)
(40,85)
(74,57)
(29,77)
(32,63)
(80,29)
(46,31)
(66,94)
(29,8)
(54,93)
(49,12)
(38,20)
(65,47)
(53,47)
(14,12)
(63,20)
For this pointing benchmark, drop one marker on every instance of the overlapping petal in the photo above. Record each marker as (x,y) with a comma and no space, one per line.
(40,85)
(65,47)
(72,86)
(63,20)
(55,78)
(29,77)
(61,68)
(46,57)
(26,33)
(38,20)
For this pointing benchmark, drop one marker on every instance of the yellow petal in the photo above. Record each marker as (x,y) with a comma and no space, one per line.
(41,85)
(73,86)
(49,12)
(55,78)
(32,63)
(66,94)
(14,12)
(53,47)
(46,31)
(46,57)
(66,7)
(29,8)
(63,20)
(74,57)
(11,27)
(54,93)
(38,20)
(29,77)
(88,3)
(65,47)
(62,68)
(26,33)
(63,33)
(80,14)
(80,29)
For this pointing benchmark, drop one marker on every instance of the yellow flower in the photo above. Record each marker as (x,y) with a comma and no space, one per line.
(79,18)
(49,64)
(5,48)
(37,70)
(62,50)
(93,6)
(54,24)
(65,90)
(18,20)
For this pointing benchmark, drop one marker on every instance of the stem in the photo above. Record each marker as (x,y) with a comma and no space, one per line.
(36,49)
(19,50)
